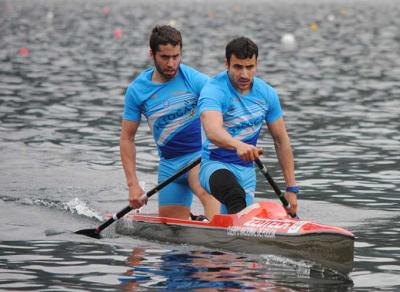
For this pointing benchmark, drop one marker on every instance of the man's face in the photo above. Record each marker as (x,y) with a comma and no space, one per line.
(167,60)
(241,72)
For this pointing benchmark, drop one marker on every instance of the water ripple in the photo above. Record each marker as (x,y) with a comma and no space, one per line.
(61,104)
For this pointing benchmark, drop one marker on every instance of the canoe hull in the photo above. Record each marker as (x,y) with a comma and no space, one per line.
(252,232)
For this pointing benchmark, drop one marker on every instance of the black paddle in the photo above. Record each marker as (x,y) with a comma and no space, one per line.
(95,233)
(273,184)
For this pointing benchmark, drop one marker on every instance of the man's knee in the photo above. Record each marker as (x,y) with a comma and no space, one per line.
(225,187)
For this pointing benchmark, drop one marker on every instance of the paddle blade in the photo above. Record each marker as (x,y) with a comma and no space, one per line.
(89,232)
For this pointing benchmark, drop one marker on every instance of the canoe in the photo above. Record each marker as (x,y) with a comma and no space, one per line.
(262,228)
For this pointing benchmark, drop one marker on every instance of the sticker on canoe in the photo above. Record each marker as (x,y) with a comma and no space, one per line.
(256,222)
(262,227)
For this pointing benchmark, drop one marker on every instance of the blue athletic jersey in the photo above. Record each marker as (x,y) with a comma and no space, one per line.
(243,115)
(170,109)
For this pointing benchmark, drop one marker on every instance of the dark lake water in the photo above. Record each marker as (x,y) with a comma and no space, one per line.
(64,67)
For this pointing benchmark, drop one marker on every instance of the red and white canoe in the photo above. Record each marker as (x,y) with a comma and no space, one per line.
(262,228)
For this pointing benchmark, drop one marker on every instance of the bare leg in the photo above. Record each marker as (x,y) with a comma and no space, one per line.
(174,211)
(210,204)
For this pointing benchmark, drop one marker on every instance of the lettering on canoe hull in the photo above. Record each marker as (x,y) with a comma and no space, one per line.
(250,232)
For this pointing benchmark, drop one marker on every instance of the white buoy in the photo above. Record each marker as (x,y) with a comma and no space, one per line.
(50,16)
(288,41)
(172,22)
(331,17)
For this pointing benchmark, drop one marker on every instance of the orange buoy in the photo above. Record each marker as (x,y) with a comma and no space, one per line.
(118,32)
(23,51)
(106,10)
(313,26)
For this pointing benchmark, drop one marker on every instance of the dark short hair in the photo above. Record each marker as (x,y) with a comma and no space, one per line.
(164,35)
(242,48)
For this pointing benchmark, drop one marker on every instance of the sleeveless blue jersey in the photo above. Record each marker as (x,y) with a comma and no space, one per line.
(243,115)
(170,109)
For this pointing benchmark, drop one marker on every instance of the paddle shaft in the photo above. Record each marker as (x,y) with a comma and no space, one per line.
(273,184)
(127,209)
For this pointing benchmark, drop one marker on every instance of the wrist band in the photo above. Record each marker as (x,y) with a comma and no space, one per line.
(293,189)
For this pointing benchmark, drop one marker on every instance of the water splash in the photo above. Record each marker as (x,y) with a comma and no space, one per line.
(75,205)
(81,208)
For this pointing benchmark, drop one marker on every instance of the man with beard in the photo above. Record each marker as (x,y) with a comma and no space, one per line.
(233,106)
(166,95)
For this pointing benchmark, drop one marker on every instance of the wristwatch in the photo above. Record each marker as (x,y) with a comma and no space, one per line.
(293,189)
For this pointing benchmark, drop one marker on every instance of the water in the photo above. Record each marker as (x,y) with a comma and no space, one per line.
(60,108)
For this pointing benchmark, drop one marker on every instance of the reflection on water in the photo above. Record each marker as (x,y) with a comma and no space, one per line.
(52,265)
(175,270)
(64,66)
